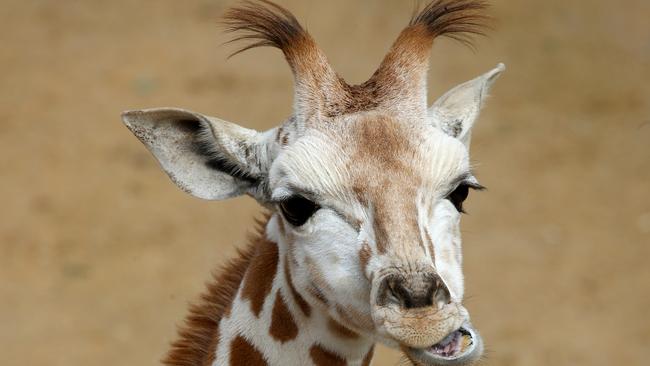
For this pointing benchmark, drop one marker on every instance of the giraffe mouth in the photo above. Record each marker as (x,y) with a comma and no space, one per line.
(461,347)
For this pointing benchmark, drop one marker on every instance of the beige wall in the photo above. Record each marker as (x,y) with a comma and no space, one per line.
(100,253)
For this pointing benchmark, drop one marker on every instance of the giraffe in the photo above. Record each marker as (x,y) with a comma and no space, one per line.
(364,188)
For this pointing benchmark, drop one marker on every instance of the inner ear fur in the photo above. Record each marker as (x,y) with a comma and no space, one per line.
(457,110)
(205,156)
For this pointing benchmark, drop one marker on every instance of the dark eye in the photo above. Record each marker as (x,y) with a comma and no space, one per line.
(297,210)
(458,196)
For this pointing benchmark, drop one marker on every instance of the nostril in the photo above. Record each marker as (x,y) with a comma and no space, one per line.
(405,297)
(412,293)
(442,296)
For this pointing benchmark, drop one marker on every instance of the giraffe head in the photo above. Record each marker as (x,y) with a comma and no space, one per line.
(367,181)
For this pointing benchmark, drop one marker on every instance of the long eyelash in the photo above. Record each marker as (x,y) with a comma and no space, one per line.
(279,200)
(474,186)
(477,187)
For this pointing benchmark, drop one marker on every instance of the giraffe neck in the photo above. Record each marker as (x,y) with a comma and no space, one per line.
(267,322)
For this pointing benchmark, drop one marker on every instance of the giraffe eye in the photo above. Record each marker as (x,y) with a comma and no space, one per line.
(458,196)
(297,210)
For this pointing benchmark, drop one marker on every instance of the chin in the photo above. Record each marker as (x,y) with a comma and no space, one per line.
(462,347)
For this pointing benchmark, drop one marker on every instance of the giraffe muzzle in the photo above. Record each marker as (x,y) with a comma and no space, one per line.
(416,311)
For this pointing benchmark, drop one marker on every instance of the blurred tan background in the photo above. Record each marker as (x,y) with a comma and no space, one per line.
(100,253)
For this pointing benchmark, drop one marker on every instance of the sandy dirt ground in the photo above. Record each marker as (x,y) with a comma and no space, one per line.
(100,253)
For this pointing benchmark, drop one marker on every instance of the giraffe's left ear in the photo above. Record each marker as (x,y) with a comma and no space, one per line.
(456,111)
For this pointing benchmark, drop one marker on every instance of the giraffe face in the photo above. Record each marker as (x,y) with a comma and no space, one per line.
(368,208)
(370,211)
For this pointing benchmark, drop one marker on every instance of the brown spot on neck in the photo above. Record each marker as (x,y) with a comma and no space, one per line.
(243,353)
(322,357)
(199,335)
(340,330)
(283,327)
(260,275)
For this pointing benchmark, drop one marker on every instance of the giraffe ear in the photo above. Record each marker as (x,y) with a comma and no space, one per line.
(457,110)
(205,156)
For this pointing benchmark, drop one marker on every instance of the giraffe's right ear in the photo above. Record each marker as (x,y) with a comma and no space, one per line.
(457,110)
(205,156)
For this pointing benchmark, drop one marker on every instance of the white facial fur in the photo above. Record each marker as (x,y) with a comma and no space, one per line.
(325,251)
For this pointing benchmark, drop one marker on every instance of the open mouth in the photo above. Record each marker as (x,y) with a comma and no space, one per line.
(461,347)
(454,344)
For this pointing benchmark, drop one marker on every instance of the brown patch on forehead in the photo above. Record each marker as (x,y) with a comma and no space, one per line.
(340,330)
(283,327)
(383,142)
(260,275)
(243,353)
(384,175)
(322,357)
